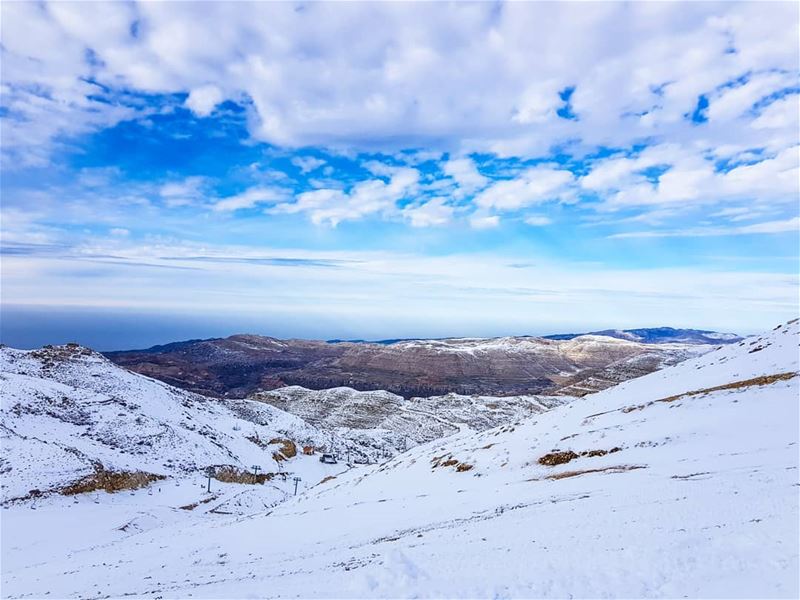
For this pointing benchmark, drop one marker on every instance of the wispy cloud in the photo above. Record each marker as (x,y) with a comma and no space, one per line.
(443,294)
(249,199)
(784,226)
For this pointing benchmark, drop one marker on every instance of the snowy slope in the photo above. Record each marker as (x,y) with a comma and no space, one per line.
(65,410)
(392,423)
(683,483)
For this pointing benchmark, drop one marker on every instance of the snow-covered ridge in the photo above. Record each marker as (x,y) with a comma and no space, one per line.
(67,409)
(660,335)
(399,423)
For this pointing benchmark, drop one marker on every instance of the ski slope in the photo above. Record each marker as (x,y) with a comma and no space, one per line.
(683,483)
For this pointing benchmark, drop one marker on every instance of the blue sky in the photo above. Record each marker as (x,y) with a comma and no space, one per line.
(390,170)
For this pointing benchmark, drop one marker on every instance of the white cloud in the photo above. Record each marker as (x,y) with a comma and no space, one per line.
(119,232)
(202,100)
(248,199)
(431,213)
(732,102)
(768,227)
(311,201)
(306,164)
(538,103)
(538,220)
(368,197)
(637,70)
(533,186)
(399,293)
(783,113)
(466,175)
(691,179)
(479,221)
(784,226)
(187,192)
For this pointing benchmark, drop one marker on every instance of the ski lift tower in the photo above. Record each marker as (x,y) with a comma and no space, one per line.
(210,471)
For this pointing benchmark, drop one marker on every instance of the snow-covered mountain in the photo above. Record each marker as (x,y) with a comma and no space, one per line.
(682,483)
(659,335)
(69,413)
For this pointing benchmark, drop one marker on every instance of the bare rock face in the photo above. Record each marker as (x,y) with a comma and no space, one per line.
(243,364)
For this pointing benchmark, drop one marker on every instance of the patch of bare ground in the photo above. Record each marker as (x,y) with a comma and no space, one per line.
(448,461)
(194,505)
(736,385)
(110,481)
(232,474)
(616,469)
(560,457)
(288,449)
(557,458)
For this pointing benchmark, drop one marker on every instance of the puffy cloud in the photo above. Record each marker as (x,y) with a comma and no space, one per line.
(692,178)
(431,213)
(306,164)
(368,197)
(533,186)
(538,103)
(731,102)
(202,100)
(465,174)
(637,70)
(783,113)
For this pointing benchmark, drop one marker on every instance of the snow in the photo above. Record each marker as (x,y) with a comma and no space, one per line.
(700,500)
(65,410)
(378,424)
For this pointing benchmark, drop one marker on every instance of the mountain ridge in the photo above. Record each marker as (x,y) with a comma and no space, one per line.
(243,364)
(641,331)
